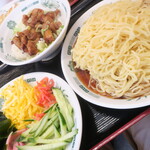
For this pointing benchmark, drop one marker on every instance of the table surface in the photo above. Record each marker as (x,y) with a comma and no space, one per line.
(92,134)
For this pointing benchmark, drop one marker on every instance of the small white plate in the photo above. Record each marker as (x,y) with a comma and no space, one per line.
(32,78)
(75,83)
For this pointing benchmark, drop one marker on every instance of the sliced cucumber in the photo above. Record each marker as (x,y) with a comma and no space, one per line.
(52,146)
(66,138)
(63,126)
(65,107)
(56,132)
(45,124)
(48,133)
(41,125)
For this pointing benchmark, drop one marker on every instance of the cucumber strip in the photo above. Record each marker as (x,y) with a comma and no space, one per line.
(48,133)
(65,108)
(50,129)
(34,127)
(53,146)
(66,138)
(27,132)
(41,123)
(30,144)
(29,120)
(40,127)
(45,123)
(56,123)
(44,126)
(53,107)
(56,132)
(40,131)
(53,113)
(63,126)
(37,125)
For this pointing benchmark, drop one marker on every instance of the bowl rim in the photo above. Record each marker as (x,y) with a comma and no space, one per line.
(37,57)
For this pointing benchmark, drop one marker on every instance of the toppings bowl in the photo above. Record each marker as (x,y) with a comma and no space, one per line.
(62,129)
(33,31)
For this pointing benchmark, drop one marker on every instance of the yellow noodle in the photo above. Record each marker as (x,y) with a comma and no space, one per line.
(114,46)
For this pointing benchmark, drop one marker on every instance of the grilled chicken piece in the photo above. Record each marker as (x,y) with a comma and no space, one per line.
(34,17)
(33,35)
(48,36)
(16,40)
(31,47)
(53,14)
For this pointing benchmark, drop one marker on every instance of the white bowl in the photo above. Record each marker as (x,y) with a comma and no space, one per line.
(77,85)
(15,17)
(32,79)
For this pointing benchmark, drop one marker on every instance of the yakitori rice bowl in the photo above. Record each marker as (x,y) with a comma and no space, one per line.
(110,54)
(33,31)
(40,114)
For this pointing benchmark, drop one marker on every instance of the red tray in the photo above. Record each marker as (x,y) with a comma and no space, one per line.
(72,2)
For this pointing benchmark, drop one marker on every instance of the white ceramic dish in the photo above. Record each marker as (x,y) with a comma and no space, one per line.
(15,17)
(79,88)
(32,78)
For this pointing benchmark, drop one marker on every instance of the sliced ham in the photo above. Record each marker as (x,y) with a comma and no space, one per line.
(12,140)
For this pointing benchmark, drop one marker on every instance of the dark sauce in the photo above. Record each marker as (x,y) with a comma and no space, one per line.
(84,77)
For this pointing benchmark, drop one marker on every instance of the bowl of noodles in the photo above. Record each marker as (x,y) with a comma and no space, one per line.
(106,54)
(33,31)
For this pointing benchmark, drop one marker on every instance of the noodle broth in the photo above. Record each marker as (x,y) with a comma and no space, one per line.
(84,77)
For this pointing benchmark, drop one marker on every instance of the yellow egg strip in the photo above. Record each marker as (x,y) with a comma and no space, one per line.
(20,103)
